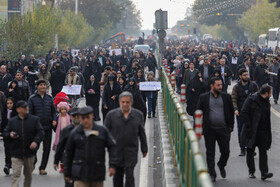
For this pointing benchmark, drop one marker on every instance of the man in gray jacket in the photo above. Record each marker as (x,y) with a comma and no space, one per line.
(126,125)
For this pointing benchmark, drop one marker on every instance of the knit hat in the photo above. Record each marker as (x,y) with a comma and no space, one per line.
(63,104)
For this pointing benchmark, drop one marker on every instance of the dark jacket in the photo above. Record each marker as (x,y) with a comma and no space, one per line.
(151,63)
(29,130)
(251,115)
(138,101)
(186,78)
(57,81)
(92,99)
(193,96)
(210,70)
(63,137)
(108,93)
(85,156)
(228,72)
(239,96)
(4,80)
(127,133)
(43,108)
(24,90)
(203,104)
(261,77)
(4,119)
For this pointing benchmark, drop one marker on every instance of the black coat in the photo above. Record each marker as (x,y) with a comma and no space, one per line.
(29,130)
(108,93)
(4,119)
(57,81)
(138,101)
(251,115)
(92,99)
(210,70)
(203,104)
(261,77)
(4,80)
(85,156)
(228,72)
(151,63)
(193,96)
(127,133)
(43,108)
(63,137)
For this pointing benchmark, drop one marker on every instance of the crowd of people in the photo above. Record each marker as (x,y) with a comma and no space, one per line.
(33,108)
(207,69)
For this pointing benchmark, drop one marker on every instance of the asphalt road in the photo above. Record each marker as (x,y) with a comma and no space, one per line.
(56,179)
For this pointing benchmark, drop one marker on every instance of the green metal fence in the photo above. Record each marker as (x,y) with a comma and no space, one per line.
(188,158)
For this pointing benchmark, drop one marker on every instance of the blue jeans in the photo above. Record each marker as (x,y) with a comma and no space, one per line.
(239,128)
(152,103)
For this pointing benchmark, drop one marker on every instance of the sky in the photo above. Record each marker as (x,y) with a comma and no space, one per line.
(176,10)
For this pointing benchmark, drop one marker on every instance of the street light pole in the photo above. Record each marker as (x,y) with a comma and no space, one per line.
(22,7)
(76,6)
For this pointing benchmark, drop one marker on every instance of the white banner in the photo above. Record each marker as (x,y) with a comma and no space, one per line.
(150,86)
(118,51)
(73,90)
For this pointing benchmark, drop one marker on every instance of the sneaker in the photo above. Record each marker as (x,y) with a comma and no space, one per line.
(6,170)
(275,101)
(252,176)
(267,176)
(154,115)
(149,116)
(42,172)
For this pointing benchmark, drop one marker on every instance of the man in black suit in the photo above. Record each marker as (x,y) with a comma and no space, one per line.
(218,121)
(206,70)
(225,73)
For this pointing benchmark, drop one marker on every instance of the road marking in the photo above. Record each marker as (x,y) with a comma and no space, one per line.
(275,112)
(143,181)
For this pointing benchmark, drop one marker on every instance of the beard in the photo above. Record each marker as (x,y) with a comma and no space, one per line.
(244,80)
(217,91)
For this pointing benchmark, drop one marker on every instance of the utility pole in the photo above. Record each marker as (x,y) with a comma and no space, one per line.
(76,6)
(22,7)
(161,25)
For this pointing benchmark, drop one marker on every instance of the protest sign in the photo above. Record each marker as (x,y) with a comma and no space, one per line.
(150,86)
(73,90)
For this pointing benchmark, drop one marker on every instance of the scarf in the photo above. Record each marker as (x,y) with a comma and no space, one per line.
(58,129)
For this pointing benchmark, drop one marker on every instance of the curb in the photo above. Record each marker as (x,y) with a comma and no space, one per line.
(169,172)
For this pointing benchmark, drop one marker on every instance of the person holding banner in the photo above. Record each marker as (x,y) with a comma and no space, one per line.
(151,97)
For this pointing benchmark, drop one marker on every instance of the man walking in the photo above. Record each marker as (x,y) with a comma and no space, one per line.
(25,134)
(85,152)
(218,120)
(273,68)
(42,106)
(256,131)
(225,73)
(127,126)
(240,92)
